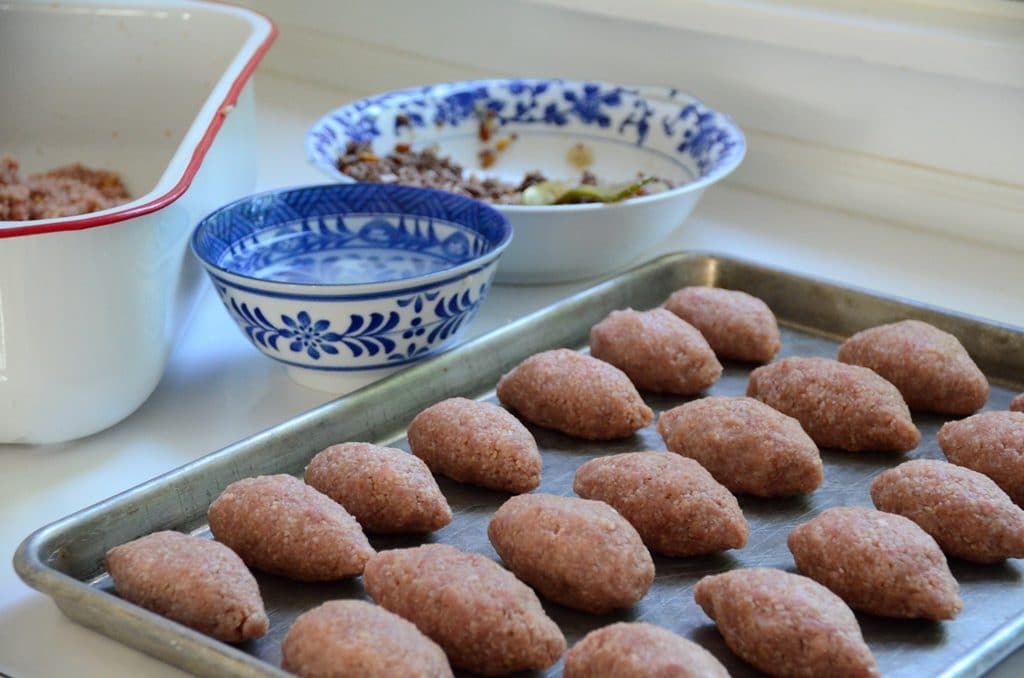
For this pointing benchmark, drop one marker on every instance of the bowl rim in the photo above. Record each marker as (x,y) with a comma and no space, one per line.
(662,93)
(355,290)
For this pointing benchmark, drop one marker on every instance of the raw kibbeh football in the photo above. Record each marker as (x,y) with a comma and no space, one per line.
(657,350)
(746,445)
(355,639)
(673,502)
(194,581)
(931,368)
(387,490)
(786,625)
(281,525)
(991,443)
(963,510)
(841,406)
(738,326)
(639,650)
(485,619)
(575,394)
(476,443)
(576,552)
(877,562)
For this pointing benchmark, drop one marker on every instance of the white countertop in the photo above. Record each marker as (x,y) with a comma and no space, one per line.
(218,388)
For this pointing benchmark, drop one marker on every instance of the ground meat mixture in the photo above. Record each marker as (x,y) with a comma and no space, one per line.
(63,192)
(673,502)
(476,443)
(746,445)
(578,553)
(880,563)
(485,619)
(280,525)
(657,350)
(785,624)
(841,406)
(931,368)
(576,394)
(636,650)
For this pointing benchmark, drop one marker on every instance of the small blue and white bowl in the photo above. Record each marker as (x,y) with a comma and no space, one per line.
(659,131)
(347,283)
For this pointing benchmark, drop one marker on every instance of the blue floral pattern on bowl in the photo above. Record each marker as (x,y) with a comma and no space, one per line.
(348,278)
(378,334)
(708,141)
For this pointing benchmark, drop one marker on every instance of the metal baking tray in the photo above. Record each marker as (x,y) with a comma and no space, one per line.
(65,559)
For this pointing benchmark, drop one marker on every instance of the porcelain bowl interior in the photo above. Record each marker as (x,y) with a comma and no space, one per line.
(656,131)
(343,283)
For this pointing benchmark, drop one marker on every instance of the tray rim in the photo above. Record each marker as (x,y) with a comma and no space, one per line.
(29,562)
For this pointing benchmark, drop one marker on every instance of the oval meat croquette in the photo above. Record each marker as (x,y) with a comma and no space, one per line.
(387,490)
(786,625)
(281,525)
(576,552)
(485,619)
(1017,404)
(673,502)
(575,394)
(963,510)
(354,639)
(639,650)
(991,443)
(476,443)
(840,406)
(194,581)
(746,445)
(877,562)
(657,350)
(930,367)
(738,326)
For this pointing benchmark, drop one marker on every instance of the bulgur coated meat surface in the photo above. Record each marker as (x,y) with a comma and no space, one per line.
(575,394)
(355,639)
(639,650)
(963,510)
(673,502)
(387,490)
(786,625)
(877,562)
(657,350)
(485,619)
(194,581)
(745,444)
(842,406)
(931,368)
(576,552)
(1017,404)
(991,443)
(63,192)
(280,525)
(738,326)
(476,443)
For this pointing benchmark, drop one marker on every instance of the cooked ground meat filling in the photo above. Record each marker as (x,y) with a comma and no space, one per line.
(429,169)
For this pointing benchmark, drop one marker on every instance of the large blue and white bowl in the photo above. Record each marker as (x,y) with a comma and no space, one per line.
(346,283)
(655,130)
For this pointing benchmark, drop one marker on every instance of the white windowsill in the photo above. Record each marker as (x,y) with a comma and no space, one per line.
(980,40)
